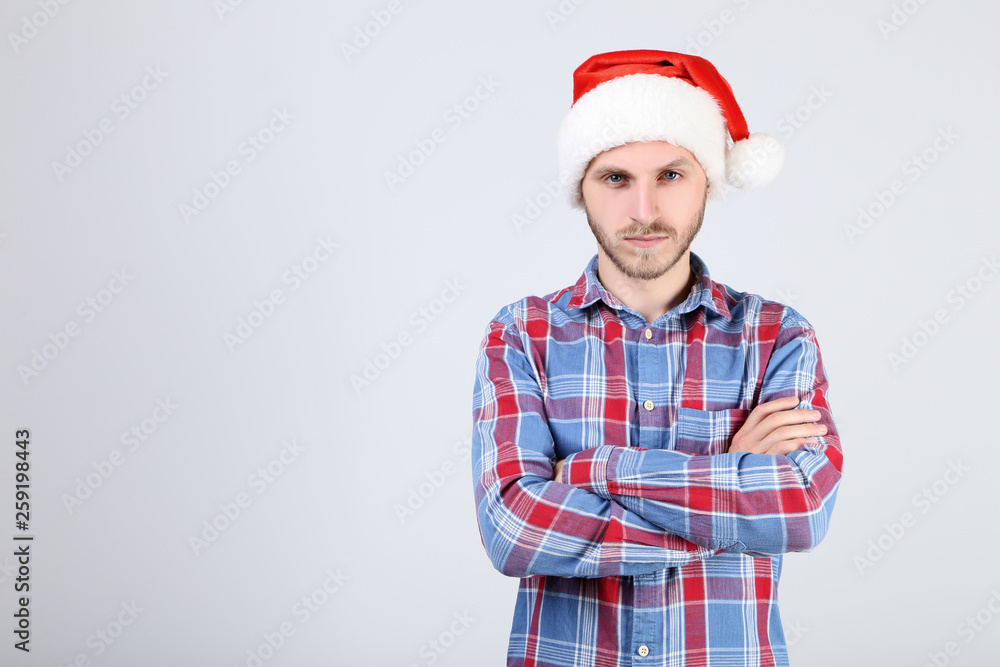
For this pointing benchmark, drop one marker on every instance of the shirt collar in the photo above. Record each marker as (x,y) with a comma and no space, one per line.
(705,292)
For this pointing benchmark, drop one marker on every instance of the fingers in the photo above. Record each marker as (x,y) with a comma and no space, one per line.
(786,447)
(777,427)
(764,410)
(787,438)
(787,417)
(792,432)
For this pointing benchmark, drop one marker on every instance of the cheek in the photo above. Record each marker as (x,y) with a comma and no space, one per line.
(684,201)
(609,219)
(608,203)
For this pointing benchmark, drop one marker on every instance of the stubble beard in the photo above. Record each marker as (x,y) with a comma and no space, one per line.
(642,263)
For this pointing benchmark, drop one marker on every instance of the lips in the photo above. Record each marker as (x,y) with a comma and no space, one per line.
(645,241)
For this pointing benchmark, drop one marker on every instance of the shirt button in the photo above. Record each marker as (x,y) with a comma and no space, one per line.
(648,405)
(643,651)
(649,334)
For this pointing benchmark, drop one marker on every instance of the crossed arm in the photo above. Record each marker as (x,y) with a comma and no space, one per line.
(612,510)
(776,427)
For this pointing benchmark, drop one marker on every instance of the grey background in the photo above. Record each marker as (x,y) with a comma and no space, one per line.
(404,579)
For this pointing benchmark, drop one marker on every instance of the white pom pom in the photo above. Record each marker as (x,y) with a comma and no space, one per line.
(754,162)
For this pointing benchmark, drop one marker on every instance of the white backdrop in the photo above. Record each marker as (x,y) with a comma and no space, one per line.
(249,250)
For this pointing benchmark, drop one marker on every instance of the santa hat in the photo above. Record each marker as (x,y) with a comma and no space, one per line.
(626,96)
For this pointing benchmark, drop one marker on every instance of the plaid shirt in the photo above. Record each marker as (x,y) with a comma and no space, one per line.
(656,547)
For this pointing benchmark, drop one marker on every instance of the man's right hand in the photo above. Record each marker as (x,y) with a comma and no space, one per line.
(777,427)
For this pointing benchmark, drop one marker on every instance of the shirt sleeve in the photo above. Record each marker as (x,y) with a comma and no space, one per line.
(529,524)
(758,504)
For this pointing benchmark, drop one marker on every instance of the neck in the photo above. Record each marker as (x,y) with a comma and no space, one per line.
(651,298)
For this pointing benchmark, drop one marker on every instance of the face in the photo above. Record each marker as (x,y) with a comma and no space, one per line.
(645,203)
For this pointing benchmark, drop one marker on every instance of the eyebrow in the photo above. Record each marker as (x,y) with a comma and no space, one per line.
(612,168)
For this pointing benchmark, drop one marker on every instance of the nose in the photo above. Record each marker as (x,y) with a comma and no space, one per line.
(645,206)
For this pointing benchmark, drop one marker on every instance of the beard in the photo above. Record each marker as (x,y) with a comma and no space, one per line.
(646,263)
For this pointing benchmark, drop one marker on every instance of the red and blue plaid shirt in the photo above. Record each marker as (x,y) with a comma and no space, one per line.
(656,547)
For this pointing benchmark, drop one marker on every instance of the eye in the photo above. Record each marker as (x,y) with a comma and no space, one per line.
(671,175)
(615,178)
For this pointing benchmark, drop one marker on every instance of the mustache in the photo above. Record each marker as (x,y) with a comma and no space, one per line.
(656,229)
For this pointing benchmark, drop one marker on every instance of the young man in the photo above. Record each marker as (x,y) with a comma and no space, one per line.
(647,442)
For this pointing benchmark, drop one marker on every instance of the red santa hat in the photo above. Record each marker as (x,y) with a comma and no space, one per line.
(626,96)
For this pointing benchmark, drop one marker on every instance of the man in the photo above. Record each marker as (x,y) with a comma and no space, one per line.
(648,442)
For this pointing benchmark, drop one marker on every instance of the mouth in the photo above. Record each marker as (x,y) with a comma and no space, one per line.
(645,241)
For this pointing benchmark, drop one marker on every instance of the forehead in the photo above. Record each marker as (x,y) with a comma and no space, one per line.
(642,155)
(644,150)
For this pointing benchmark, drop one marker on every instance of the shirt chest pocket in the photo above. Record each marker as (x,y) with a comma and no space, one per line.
(707,432)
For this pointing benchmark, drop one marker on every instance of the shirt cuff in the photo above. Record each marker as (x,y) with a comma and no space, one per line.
(588,469)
